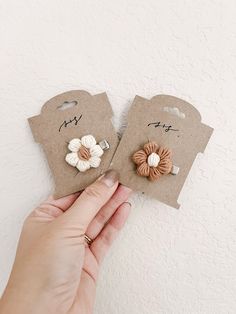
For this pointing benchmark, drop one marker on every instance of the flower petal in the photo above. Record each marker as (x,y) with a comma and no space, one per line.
(88,141)
(165,166)
(154,174)
(96,151)
(164,152)
(72,159)
(94,161)
(143,170)
(74,145)
(139,157)
(83,165)
(150,147)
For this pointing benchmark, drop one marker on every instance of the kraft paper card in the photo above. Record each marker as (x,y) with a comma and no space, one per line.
(76,115)
(171,123)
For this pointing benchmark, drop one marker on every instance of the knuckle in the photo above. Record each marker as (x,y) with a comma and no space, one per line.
(93,191)
(116,201)
(102,217)
(29,217)
(106,239)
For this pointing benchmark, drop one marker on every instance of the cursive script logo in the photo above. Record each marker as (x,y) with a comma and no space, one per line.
(65,123)
(166,127)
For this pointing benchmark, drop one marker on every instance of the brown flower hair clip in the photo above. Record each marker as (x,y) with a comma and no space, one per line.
(153,161)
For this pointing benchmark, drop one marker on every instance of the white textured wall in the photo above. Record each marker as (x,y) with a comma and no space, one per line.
(165,261)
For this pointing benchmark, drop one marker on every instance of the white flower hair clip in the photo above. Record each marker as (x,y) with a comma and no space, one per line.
(85,152)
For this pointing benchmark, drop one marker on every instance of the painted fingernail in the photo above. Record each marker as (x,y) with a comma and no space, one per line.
(110,178)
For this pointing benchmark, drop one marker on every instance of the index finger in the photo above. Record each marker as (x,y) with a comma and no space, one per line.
(92,199)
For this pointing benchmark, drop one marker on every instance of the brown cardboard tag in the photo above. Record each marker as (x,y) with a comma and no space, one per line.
(56,126)
(170,122)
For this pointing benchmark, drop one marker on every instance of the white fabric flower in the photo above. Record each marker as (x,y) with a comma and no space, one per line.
(85,153)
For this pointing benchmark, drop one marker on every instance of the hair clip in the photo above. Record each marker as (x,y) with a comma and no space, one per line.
(85,153)
(153,161)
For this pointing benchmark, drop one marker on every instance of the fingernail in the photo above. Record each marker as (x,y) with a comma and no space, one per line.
(110,178)
(128,203)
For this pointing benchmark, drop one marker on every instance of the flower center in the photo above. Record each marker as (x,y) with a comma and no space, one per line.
(153,160)
(84,153)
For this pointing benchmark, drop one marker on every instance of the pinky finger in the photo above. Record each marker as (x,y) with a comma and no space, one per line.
(104,240)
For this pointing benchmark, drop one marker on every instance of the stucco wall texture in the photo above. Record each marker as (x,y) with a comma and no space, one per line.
(165,261)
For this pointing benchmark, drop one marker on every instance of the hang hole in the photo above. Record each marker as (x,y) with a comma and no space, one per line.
(67,105)
(175,111)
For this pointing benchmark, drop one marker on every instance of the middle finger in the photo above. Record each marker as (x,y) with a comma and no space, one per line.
(96,225)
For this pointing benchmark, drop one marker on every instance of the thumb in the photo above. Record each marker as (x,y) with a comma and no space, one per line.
(85,208)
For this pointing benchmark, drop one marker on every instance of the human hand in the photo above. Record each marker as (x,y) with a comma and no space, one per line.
(55,270)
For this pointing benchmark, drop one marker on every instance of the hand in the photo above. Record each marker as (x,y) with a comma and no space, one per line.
(55,271)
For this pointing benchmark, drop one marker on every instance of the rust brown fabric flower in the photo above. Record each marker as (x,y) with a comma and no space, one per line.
(153,161)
